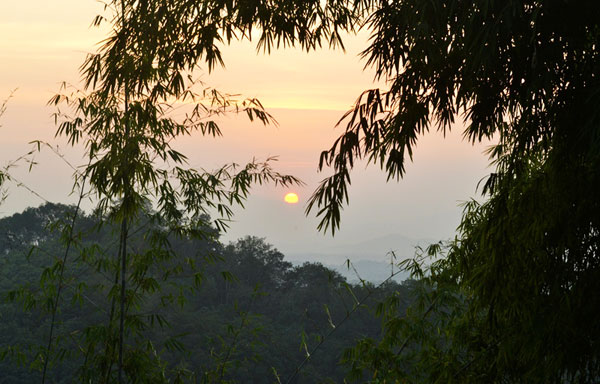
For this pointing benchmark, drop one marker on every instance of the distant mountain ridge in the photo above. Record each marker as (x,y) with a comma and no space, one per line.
(372,271)
(371,258)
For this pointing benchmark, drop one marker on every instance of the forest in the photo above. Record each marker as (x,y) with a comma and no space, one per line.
(241,315)
(141,290)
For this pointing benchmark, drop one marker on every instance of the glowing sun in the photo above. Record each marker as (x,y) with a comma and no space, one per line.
(291,198)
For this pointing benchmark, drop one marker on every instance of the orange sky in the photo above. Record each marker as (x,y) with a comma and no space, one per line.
(44,43)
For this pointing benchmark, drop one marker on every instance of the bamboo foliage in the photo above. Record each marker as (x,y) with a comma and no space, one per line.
(124,118)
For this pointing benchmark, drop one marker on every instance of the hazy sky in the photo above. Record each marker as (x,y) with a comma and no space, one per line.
(44,43)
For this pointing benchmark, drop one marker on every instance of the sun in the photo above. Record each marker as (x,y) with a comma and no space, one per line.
(291,198)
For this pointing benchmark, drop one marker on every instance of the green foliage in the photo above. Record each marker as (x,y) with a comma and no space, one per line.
(428,334)
(526,260)
(124,118)
(229,330)
(179,35)
(521,72)
(514,297)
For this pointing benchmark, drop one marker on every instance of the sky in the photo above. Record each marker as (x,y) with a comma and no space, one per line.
(44,44)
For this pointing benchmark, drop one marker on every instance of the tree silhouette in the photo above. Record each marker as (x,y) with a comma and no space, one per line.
(523,73)
(122,117)
(515,296)
(526,261)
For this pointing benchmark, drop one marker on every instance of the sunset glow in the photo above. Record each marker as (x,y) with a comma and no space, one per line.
(307,93)
(291,198)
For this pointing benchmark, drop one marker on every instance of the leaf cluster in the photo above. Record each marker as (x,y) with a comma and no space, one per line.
(213,313)
(520,72)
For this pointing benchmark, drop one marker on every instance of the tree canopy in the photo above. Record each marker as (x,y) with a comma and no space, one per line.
(245,322)
(123,118)
(521,73)
(514,297)
(524,74)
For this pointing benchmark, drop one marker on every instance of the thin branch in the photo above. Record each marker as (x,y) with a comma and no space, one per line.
(60,280)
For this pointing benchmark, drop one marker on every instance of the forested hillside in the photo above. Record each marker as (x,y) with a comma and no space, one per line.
(143,291)
(235,312)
